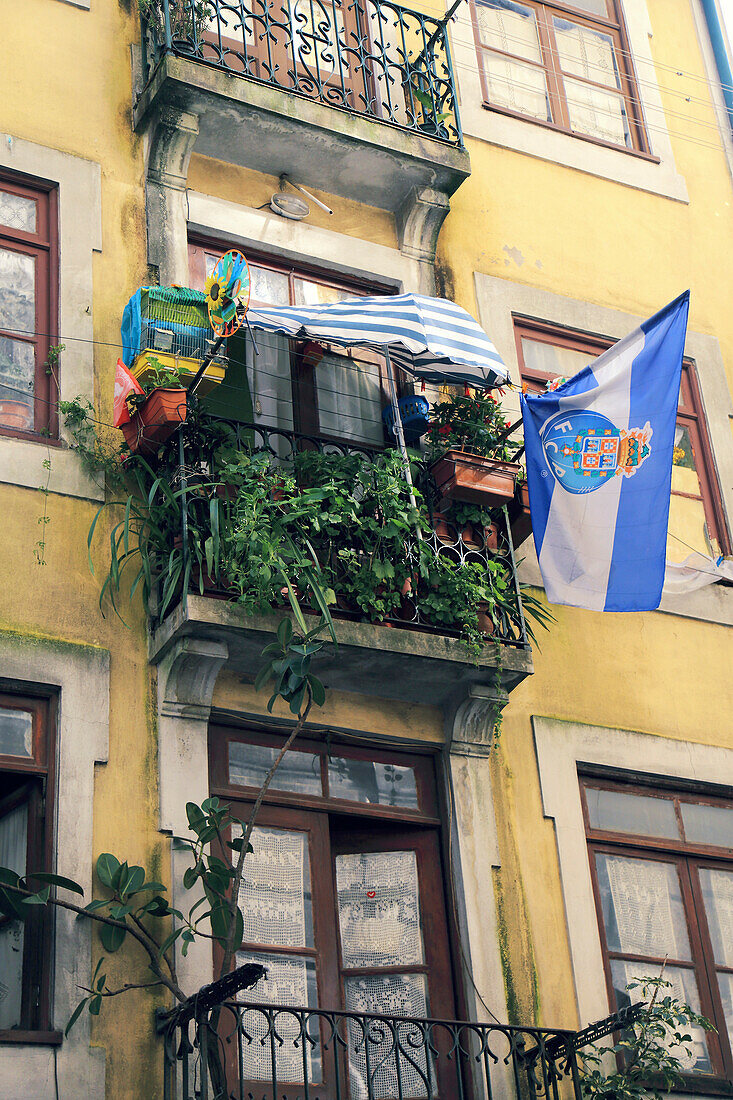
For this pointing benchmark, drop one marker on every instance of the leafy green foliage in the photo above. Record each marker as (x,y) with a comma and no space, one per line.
(476,424)
(648,1058)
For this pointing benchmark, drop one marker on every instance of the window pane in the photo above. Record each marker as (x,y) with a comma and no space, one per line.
(16,734)
(379,909)
(314,39)
(642,907)
(17,212)
(291,980)
(391,995)
(597,113)
(595,7)
(587,53)
(684,988)
(13,841)
(708,824)
(367,781)
(725,983)
(17,291)
(309,293)
(717,892)
(272,287)
(684,471)
(558,362)
(349,399)
(517,87)
(298,771)
(275,896)
(509,27)
(631,813)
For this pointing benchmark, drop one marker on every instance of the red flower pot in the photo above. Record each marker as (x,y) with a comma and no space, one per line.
(477,480)
(155,420)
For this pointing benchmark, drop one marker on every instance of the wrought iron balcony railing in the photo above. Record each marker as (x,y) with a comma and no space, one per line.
(369,57)
(485,547)
(271,1052)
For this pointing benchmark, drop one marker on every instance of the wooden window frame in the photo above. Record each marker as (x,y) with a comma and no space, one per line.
(43,246)
(303,380)
(347,826)
(688,857)
(689,413)
(615,27)
(38,934)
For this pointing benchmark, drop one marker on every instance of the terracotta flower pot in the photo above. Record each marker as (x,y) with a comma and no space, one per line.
(485,623)
(16,414)
(477,480)
(155,420)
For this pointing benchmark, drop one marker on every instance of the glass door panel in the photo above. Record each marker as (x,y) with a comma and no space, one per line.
(394,958)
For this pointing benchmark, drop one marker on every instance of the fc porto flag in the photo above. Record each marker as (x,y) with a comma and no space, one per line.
(599,468)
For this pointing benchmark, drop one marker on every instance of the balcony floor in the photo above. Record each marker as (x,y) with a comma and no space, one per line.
(273,130)
(411,666)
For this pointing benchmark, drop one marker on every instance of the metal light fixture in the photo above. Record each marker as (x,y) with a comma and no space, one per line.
(290,206)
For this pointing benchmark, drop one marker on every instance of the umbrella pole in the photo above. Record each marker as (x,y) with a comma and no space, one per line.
(400,433)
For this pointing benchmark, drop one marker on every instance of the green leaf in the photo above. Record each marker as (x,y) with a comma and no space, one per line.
(76,1014)
(58,880)
(190,876)
(107,868)
(120,911)
(196,817)
(41,898)
(130,880)
(169,941)
(262,677)
(285,632)
(98,903)
(318,691)
(112,937)
(12,878)
(95,1004)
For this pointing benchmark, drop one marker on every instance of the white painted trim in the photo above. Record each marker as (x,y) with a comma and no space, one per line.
(500,300)
(300,242)
(84,4)
(81,673)
(566,149)
(560,746)
(80,234)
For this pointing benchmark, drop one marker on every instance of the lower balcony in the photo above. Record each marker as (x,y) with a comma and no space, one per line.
(271,1052)
(426,604)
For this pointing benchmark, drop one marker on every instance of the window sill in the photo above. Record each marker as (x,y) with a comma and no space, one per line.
(30,436)
(544,141)
(34,1038)
(572,133)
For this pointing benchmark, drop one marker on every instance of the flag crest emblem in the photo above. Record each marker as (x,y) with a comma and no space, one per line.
(584,449)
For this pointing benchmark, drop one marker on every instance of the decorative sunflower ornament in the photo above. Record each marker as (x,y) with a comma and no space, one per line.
(227,293)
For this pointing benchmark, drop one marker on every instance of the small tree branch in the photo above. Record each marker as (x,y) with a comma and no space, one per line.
(123,989)
(143,938)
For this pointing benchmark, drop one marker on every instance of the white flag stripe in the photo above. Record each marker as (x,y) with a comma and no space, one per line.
(577,574)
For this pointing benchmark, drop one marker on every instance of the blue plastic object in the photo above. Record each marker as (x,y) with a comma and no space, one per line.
(414,414)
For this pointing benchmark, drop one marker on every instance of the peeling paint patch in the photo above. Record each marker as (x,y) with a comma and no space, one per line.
(539,265)
(514,254)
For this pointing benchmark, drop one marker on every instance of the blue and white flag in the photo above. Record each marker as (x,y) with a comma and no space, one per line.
(599,469)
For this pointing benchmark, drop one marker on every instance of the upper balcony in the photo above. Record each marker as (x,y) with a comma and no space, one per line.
(353,97)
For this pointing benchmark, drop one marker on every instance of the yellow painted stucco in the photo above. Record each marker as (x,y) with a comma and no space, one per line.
(518,217)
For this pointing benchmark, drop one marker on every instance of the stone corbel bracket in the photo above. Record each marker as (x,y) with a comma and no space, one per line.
(470,722)
(186,679)
(419,221)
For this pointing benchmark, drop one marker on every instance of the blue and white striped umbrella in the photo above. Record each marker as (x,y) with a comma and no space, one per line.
(431,338)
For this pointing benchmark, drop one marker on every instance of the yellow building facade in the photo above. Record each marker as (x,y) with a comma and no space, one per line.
(568,174)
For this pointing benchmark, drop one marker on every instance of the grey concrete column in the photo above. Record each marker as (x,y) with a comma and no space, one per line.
(475,855)
(172,139)
(186,679)
(418,224)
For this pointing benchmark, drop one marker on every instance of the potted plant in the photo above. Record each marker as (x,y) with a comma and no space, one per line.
(185,17)
(158,411)
(470,452)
